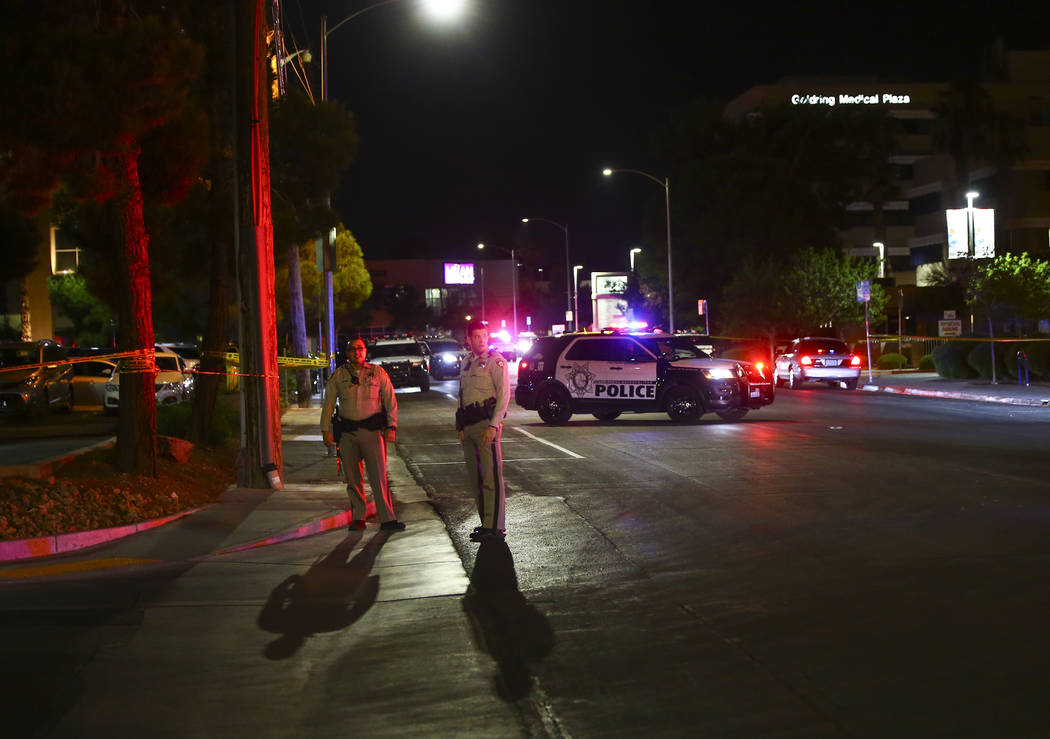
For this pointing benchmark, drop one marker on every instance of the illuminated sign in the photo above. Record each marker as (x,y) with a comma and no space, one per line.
(459,274)
(959,234)
(883,98)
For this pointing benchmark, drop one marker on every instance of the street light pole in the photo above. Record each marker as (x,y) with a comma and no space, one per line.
(568,269)
(576,297)
(631,254)
(666,185)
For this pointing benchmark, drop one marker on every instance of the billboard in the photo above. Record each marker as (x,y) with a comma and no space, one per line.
(459,274)
(607,290)
(959,233)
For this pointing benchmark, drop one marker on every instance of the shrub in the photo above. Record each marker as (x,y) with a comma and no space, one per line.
(926,363)
(980,359)
(174,420)
(950,360)
(891,361)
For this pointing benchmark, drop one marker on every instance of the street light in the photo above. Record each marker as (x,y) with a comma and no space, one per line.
(576,297)
(439,9)
(565,230)
(631,253)
(666,185)
(513,282)
(970,197)
(881,249)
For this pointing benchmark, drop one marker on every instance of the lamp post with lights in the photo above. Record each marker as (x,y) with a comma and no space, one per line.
(576,297)
(438,9)
(631,254)
(568,269)
(666,185)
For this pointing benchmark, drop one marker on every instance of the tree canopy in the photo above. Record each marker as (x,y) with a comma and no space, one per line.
(1011,284)
(800,293)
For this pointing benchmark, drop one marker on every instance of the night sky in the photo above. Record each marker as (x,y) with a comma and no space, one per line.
(513,111)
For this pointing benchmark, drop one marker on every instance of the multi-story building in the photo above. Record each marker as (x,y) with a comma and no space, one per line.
(916,235)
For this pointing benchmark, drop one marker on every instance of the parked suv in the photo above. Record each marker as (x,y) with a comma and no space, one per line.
(817,359)
(608,374)
(38,388)
(407,361)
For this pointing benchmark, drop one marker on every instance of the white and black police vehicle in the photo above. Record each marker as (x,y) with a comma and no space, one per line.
(606,374)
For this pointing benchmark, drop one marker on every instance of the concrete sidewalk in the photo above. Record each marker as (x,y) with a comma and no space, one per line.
(932,385)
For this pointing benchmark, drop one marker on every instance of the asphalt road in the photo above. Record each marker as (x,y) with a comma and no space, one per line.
(838,564)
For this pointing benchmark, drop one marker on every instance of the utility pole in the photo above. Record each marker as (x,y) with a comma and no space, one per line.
(260,462)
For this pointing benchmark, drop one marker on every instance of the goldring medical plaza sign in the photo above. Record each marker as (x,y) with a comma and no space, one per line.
(878,98)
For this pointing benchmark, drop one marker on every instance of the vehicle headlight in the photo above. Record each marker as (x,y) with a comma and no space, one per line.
(32,381)
(448,358)
(718,374)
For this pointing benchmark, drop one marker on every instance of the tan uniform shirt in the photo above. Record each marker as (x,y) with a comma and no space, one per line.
(484,377)
(373,393)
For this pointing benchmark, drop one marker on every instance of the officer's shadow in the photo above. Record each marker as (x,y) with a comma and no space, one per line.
(330,596)
(504,624)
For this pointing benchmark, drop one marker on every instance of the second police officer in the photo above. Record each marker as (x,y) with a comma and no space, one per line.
(365,424)
(484,395)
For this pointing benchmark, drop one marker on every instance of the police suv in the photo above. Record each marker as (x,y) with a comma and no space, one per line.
(607,374)
(406,361)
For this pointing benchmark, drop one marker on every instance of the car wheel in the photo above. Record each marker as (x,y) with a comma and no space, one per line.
(732,414)
(778,380)
(850,384)
(793,382)
(607,415)
(424,386)
(554,406)
(683,405)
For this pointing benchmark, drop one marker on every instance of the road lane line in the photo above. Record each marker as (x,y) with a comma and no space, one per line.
(548,443)
(505,460)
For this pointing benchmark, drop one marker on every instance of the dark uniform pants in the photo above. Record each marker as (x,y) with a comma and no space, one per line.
(485,471)
(359,449)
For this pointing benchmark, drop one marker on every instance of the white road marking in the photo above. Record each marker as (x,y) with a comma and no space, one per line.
(307,437)
(505,460)
(548,443)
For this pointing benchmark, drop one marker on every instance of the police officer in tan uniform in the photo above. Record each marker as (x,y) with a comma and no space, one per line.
(484,394)
(366,423)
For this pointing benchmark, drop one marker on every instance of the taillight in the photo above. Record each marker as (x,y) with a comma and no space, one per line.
(523,365)
(855,362)
(760,366)
(806,360)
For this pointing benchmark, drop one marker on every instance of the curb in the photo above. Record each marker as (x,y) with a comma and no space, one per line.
(44,546)
(329,523)
(46,467)
(953,395)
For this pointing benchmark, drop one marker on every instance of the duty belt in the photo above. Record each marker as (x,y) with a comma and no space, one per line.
(340,425)
(470,414)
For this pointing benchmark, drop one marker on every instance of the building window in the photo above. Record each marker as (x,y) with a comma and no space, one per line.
(436,298)
(925,204)
(65,254)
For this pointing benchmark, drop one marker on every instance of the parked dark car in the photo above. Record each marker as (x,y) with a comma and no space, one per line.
(43,384)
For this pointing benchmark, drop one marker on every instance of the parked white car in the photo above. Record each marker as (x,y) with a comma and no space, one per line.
(89,381)
(173,383)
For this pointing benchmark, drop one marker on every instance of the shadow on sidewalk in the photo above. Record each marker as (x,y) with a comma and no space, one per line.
(330,596)
(504,624)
